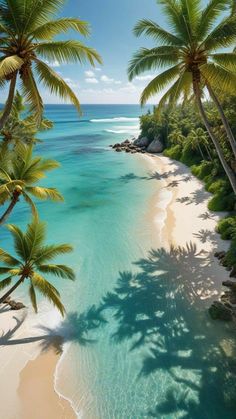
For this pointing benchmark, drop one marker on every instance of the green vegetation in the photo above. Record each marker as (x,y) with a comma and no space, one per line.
(28,47)
(31,262)
(195,55)
(27,50)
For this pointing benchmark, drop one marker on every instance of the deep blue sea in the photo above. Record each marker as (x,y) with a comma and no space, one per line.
(135,347)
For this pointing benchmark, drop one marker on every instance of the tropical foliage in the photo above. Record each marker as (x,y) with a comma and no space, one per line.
(28,48)
(34,261)
(195,58)
(19,179)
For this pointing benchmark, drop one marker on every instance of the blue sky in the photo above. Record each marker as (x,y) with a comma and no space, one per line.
(112,22)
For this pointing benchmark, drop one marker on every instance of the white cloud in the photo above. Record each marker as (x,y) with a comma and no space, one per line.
(91,80)
(107,79)
(97,69)
(53,63)
(89,73)
(72,83)
(145,78)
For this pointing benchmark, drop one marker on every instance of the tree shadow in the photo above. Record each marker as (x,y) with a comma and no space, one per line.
(74,328)
(162,312)
(130,177)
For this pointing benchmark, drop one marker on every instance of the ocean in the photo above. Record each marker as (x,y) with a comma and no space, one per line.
(134,346)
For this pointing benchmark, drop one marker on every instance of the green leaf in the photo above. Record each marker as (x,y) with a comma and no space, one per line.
(10,64)
(5,282)
(55,27)
(62,271)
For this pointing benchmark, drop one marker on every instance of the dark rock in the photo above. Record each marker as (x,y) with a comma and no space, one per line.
(142,142)
(229,284)
(219,311)
(233,272)
(127,150)
(156,146)
(118,149)
(126,142)
(221,255)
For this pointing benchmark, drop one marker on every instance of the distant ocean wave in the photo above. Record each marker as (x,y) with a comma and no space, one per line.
(124,130)
(120,119)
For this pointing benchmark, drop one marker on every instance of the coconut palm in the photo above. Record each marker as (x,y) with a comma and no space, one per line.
(32,262)
(19,177)
(27,49)
(20,127)
(189,51)
(198,139)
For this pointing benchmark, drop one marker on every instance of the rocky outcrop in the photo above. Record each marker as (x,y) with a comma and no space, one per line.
(142,142)
(220,311)
(128,147)
(155,146)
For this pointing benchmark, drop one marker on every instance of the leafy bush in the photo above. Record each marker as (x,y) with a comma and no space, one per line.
(173,152)
(222,202)
(227,228)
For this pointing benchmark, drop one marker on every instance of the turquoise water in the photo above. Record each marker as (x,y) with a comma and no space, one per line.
(138,344)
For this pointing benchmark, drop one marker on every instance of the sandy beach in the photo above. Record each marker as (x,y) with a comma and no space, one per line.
(28,367)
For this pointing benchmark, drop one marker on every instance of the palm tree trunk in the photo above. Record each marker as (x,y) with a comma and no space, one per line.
(223,119)
(8,106)
(200,151)
(229,172)
(8,211)
(8,293)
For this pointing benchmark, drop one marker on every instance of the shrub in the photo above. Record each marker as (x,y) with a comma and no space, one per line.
(174,152)
(227,228)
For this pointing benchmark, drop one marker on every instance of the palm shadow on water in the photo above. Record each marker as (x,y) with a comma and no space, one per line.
(161,311)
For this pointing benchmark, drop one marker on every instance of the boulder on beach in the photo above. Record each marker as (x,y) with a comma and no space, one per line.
(156,146)
(142,142)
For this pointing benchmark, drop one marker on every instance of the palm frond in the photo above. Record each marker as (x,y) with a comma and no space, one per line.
(5,282)
(45,193)
(31,204)
(68,51)
(56,84)
(227,59)
(34,237)
(55,27)
(61,271)
(150,28)
(10,64)
(151,59)
(8,259)
(32,96)
(19,241)
(159,83)
(33,299)
(222,36)
(209,16)
(219,77)
(48,291)
(49,252)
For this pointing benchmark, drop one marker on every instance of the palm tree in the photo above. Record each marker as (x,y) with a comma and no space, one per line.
(19,178)
(190,53)
(27,48)
(20,127)
(34,259)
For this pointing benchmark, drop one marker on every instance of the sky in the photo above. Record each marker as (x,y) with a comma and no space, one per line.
(111,23)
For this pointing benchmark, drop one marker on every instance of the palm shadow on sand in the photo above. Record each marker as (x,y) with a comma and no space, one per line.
(160,309)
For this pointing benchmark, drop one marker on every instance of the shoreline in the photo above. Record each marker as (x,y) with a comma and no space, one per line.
(177,219)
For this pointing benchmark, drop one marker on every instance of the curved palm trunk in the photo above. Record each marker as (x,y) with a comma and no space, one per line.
(8,106)
(223,119)
(10,291)
(229,172)
(8,211)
